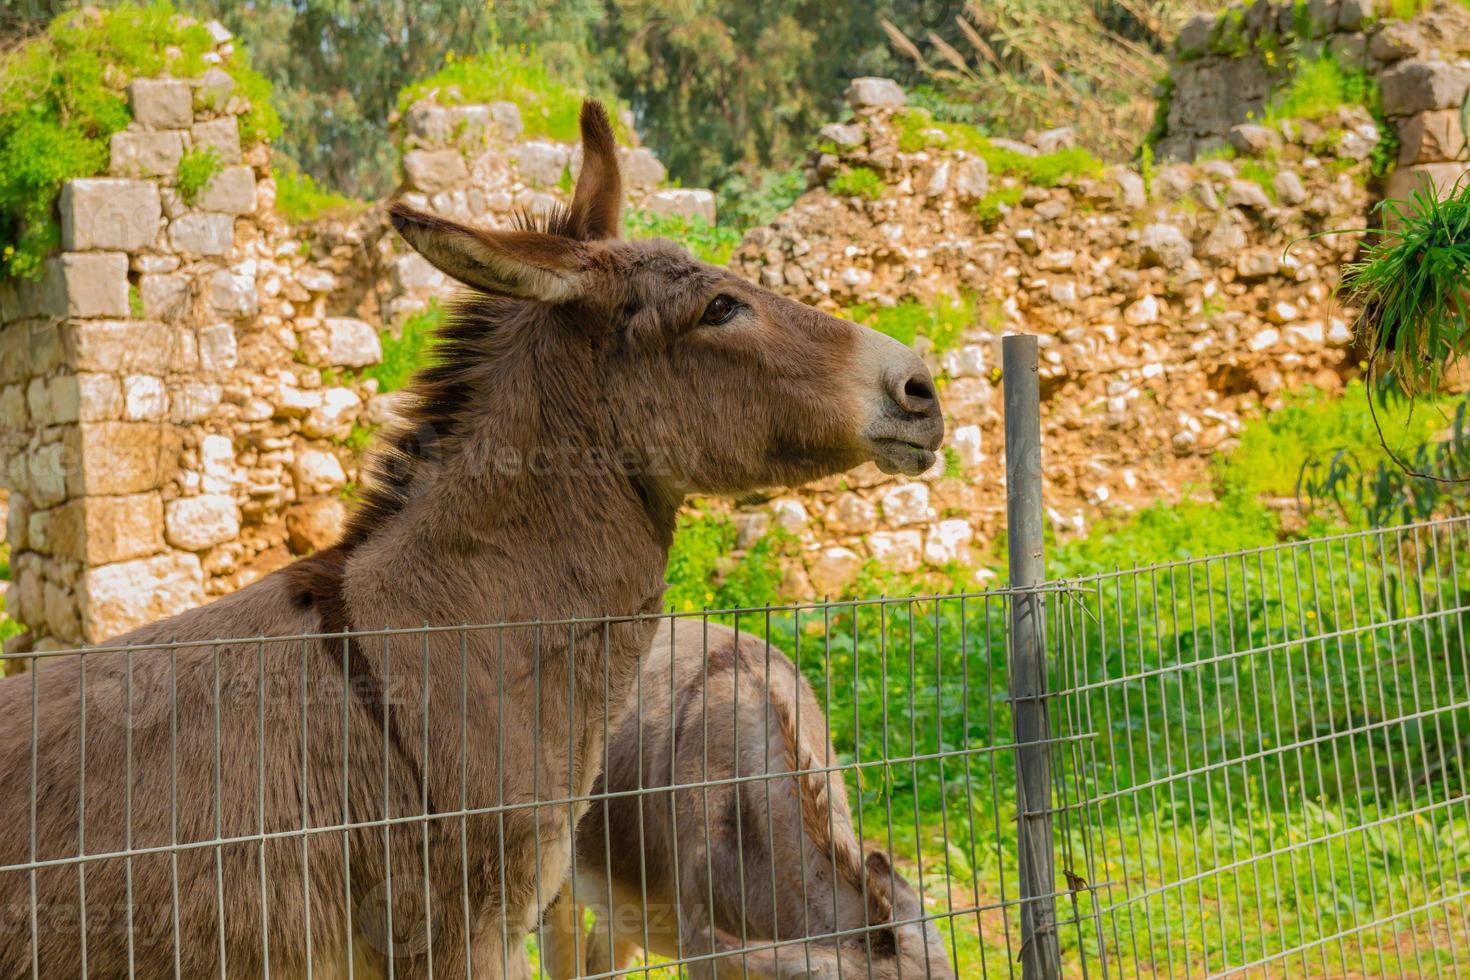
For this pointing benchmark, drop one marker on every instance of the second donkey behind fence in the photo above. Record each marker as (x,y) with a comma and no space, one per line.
(740,849)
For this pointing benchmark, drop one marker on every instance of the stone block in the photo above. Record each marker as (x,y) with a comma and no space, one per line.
(222,134)
(833,570)
(431,171)
(165,295)
(232,294)
(113,458)
(875,93)
(506,120)
(317,472)
(1431,137)
(1195,35)
(161,103)
(351,343)
(315,524)
(194,401)
(202,233)
(540,163)
(231,191)
(414,273)
(971,179)
(134,153)
(428,122)
(641,168)
(1421,86)
(109,213)
(100,530)
(119,346)
(15,352)
(218,349)
(15,415)
(197,523)
(47,473)
(684,202)
(1442,178)
(63,620)
(144,398)
(87,284)
(86,397)
(212,90)
(122,596)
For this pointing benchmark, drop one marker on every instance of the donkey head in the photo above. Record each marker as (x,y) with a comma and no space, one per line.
(711,384)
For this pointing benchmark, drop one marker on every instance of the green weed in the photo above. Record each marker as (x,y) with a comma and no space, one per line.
(943,323)
(708,243)
(301,198)
(196,169)
(861,182)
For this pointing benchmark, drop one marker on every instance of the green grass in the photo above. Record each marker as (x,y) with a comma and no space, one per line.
(197,168)
(549,107)
(918,130)
(943,323)
(708,243)
(301,198)
(861,182)
(1318,86)
(406,353)
(991,208)
(63,95)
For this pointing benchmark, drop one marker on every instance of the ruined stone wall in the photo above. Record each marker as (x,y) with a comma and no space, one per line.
(1228,64)
(181,391)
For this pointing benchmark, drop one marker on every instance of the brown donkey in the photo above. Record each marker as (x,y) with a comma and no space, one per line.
(761,853)
(240,807)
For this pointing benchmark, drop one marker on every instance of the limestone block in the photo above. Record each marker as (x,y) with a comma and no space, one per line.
(971,179)
(1394,41)
(1431,137)
(144,398)
(161,103)
(1441,177)
(1289,188)
(109,213)
(1165,245)
(122,596)
(434,170)
(232,294)
(218,349)
(833,570)
(684,202)
(317,472)
(900,551)
(351,343)
(540,163)
(1421,86)
(116,346)
(641,168)
(212,90)
(413,273)
(15,352)
(165,295)
(101,530)
(113,458)
(62,618)
(966,443)
(194,401)
(46,466)
(231,191)
(134,153)
(875,93)
(202,233)
(506,118)
(15,416)
(222,134)
(88,284)
(1195,35)
(949,543)
(852,514)
(315,524)
(88,397)
(333,418)
(196,523)
(907,503)
(428,122)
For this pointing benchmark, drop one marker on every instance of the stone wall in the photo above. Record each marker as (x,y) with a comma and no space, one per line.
(1228,64)
(180,389)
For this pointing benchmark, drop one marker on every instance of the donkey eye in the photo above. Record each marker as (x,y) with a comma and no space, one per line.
(720,311)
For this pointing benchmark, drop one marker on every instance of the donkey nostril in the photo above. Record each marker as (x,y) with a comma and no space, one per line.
(918,390)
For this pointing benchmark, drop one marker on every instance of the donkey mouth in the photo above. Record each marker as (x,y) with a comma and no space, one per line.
(901,456)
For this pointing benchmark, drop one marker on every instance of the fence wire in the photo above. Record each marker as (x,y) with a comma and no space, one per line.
(1257,765)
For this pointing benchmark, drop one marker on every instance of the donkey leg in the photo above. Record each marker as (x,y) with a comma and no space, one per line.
(561,931)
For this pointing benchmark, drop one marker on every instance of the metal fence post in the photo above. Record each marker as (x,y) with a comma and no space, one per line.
(1040,955)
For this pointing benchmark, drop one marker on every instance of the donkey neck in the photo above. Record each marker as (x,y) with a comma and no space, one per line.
(522,507)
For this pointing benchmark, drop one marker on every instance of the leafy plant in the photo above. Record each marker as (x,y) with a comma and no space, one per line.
(1411,286)
(1318,86)
(861,182)
(197,168)
(708,243)
(748,199)
(943,323)
(991,208)
(917,130)
(62,96)
(300,198)
(549,106)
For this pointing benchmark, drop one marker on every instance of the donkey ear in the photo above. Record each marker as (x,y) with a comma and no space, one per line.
(597,204)
(526,264)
